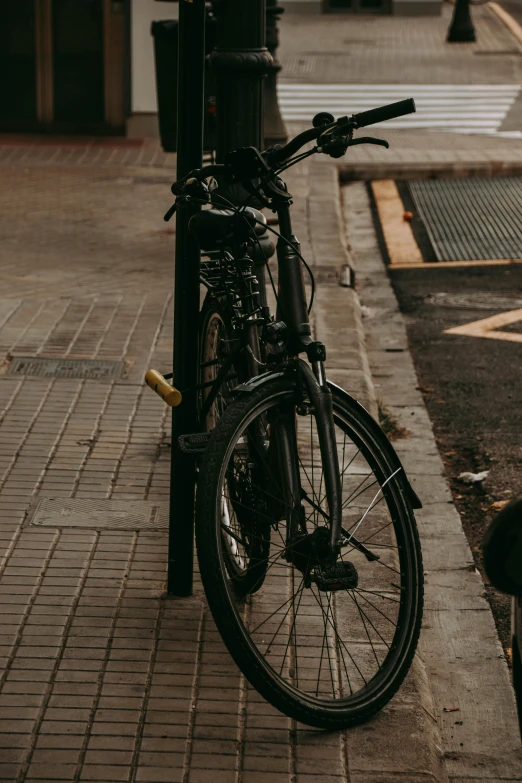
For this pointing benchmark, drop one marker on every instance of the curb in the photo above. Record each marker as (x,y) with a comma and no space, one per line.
(509,21)
(429,170)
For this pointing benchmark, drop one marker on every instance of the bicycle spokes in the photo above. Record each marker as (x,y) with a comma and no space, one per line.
(325,628)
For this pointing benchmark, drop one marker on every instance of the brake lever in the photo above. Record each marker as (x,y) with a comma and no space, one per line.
(368,140)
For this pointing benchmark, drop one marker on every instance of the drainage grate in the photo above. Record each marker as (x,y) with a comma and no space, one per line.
(471,219)
(46,367)
(99,514)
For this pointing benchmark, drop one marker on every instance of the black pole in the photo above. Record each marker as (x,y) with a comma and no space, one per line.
(241,62)
(186,298)
(274,129)
(461,29)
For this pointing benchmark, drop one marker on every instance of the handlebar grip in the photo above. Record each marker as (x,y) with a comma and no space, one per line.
(168,393)
(389,112)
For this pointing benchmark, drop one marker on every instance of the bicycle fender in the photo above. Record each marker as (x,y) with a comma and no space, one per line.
(254,383)
(388,449)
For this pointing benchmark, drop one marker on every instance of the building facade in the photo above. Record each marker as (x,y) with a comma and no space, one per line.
(87,66)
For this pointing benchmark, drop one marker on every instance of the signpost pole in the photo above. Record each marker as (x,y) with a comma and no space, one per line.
(186,299)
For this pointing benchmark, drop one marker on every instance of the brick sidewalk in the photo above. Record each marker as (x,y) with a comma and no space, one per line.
(106,678)
(374,49)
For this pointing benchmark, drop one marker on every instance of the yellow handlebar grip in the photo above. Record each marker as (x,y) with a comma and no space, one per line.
(157,383)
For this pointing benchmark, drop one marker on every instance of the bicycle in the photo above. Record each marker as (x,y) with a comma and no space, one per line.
(306,538)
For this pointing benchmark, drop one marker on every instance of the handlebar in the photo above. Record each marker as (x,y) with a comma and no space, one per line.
(361,120)
(388,112)
(278,155)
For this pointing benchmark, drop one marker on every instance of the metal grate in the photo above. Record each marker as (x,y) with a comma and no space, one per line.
(46,367)
(471,219)
(99,514)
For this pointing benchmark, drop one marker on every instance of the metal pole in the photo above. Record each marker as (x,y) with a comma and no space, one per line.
(275,131)
(186,298)
(461,29)
(241,62)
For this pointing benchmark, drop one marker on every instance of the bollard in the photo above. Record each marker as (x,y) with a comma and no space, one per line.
(461,29)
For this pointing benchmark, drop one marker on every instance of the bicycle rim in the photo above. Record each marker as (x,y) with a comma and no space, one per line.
(326,656)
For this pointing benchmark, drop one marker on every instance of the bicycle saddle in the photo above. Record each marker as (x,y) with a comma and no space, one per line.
(212,226)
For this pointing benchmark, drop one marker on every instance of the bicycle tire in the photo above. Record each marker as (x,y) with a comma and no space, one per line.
(215,327)
(215,331)
(233,613)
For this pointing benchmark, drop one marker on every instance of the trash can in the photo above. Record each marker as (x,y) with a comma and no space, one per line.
(165,34)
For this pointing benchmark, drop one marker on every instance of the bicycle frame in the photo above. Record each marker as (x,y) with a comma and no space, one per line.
(293,310)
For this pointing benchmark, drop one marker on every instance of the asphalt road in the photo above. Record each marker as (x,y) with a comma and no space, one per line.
(472,386)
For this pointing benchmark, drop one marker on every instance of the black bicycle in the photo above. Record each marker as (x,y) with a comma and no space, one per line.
(306,538)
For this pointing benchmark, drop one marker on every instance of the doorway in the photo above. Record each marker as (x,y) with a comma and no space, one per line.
(357,6)
(63,66)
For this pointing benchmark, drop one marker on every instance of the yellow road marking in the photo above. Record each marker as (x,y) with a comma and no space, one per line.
(486,327)
(511,23)
(444,264)
(400,242)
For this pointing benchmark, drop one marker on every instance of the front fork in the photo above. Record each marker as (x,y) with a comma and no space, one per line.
(288,456)
(293,310)
(321,399)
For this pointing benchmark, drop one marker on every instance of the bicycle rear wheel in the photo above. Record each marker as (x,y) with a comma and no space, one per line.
(329,655)
(245,566)
(216,343)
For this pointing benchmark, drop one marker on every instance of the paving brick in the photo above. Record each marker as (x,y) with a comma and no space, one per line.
(108,756)
(51,771)
(159,775)
(122,728)
(8,771)
(60,741)
(54,756)
(62,727)
(168,759)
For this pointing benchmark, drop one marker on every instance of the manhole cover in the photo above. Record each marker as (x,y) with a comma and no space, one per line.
(46,367)
(99,514)
(471,219)
(481,300)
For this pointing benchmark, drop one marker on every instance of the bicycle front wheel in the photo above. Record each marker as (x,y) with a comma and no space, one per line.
(326,654)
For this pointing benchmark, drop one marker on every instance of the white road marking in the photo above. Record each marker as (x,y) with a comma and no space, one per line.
(460,109)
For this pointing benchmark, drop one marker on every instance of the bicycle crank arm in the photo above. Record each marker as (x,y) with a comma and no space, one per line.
(163,388)
(321,399)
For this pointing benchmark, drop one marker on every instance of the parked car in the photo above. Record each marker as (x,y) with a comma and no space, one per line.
(502,551)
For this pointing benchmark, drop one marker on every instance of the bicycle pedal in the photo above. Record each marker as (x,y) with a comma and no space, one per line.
(341,576)
(195,443)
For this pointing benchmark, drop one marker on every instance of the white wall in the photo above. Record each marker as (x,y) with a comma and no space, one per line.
(143,12)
